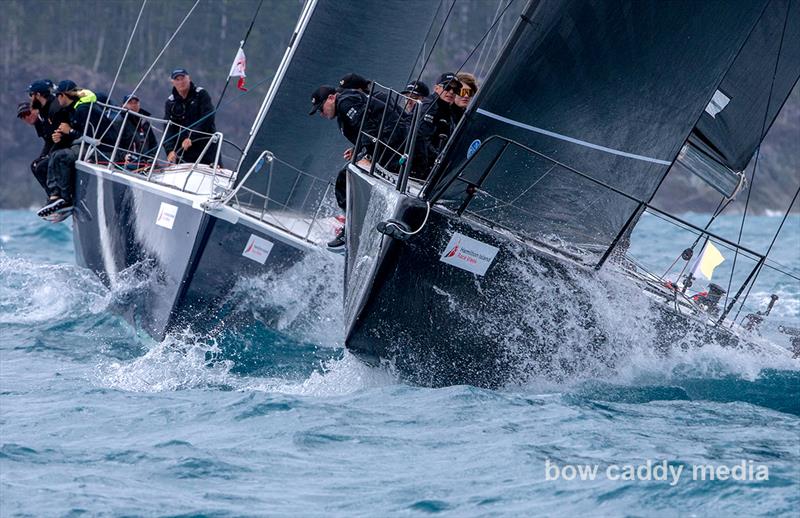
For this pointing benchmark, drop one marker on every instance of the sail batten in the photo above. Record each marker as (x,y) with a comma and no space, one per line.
(570,139)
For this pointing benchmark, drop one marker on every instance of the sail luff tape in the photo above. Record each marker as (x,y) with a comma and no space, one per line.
(570,139)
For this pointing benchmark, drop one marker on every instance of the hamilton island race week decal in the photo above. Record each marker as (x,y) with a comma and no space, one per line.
(257,249)
(468,254)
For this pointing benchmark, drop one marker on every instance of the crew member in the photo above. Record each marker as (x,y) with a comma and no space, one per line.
(436,124)
(469,87)
(138,138)
(349,107)
(44,105)
(189,106)
(416,91)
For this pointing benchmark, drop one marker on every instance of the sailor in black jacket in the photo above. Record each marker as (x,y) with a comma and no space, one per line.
(43,100)
(189,106)
(437,122)
(348,107)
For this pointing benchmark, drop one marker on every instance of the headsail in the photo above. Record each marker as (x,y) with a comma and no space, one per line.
(610,89)
(765,70)
(379,39)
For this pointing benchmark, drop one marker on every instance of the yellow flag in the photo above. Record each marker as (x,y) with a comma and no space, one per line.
(709,259)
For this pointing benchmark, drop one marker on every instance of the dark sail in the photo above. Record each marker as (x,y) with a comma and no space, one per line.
(611,89)
(737,119)
(378,39)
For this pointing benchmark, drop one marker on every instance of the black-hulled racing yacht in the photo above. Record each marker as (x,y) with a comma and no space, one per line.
(191,232)
(488,268)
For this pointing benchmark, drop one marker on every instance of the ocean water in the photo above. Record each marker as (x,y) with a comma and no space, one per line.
(97,419)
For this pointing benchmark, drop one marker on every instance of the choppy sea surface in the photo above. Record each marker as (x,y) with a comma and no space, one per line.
(97,419)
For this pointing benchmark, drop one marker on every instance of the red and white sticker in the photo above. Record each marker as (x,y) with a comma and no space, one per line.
(166,215)
(468,254)
(257,249)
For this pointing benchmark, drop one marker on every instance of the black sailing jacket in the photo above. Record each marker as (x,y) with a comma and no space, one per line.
(196,112)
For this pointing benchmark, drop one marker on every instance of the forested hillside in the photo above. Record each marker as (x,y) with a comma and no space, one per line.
(85,41)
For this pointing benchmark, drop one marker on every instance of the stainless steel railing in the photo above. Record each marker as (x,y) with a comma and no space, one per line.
(133,151)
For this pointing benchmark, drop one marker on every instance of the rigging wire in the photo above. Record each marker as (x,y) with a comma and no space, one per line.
(436,40)
(153,64)
(769,249)
(125,54)
(166,45)
(775,265)
(720,208)
(758,150)
(422,47)
(478,68)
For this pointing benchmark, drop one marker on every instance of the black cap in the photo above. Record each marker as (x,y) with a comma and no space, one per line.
(354,81)
(319,96)
(41,86)
(178,72)
(417,88)
(129,97)
(65,86)
(448,78)
(23,109)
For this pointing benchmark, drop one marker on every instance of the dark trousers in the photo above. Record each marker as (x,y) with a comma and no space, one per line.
(191,155)
(61,173)
(340,189)
(39,170)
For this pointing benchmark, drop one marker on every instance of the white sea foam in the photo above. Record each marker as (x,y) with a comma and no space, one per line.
(181,361)
(303,302)
(335,377)
(34,292)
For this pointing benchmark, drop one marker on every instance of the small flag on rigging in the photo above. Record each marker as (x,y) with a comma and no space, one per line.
(238,69)
(709,259)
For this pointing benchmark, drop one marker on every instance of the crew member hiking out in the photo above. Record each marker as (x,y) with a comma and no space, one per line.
(189,106)
(30,116)
(78,112)
(44,105)
(349,107)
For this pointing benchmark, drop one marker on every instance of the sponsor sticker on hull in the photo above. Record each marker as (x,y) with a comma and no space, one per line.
(468,254)
(257,249)
(166,215)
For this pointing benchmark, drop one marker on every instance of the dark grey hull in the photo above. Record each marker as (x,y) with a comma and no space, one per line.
(170,278)
(530,313)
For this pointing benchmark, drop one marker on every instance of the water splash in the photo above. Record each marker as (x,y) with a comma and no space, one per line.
(302,302)
(181,361)
(335,377)
(33,293)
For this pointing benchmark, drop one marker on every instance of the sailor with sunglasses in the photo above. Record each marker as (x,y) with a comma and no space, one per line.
(438,119)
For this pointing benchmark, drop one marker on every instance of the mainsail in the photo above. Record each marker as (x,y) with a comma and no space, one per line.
(378,39)
(609,89)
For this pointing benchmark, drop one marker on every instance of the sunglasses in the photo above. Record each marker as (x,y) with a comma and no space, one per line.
(465,92)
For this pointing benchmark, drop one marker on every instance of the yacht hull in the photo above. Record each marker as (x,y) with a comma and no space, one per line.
(171,263)
(529,312)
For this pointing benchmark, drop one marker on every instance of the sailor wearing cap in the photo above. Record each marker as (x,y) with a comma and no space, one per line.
(191,107)
(415,91)
(30,115)
(436,124)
